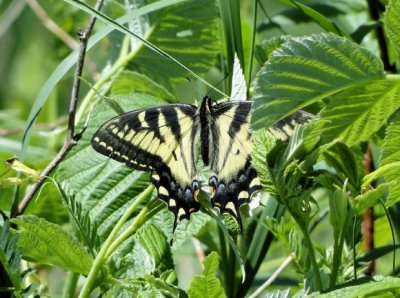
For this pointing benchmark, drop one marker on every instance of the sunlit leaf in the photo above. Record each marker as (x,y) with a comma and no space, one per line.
(392,24)
(391,144)
(207,285)
(47,243)
(355,114)
(305,70)
(376,286)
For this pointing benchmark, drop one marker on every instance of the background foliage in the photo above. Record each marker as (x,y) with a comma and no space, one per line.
(323,189)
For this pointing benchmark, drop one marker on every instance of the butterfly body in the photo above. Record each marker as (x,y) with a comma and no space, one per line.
(163,140)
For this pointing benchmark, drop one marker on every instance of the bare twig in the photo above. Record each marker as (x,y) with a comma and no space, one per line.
(59,32)
(72,138)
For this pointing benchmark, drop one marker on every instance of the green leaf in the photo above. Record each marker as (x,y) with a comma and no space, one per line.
(156,245)
(305,70)
(377,253)
(70,61)
(128,82)
(319,18)
(370,198)
(358,112)
(266,47)
(10,258)
(337,210)
(232,27)
(391,144)
(207,285)
(263,143)
(391,22)
(47,243)
(186,229)
(391,174)
(342,159)
(375,286)
(184,31)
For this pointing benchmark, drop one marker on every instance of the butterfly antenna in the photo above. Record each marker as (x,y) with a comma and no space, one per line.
(216,85)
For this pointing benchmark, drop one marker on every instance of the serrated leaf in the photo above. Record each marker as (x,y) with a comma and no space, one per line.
(103,186)
(305,70)
(370,198)
(377,285)
(391,22)
(10,258)
(391,144)
(263,143)
(156,245)
(184,31)
(47,243)
(391,174)
(128,82)
(207,285)
(355,114)
(266,47)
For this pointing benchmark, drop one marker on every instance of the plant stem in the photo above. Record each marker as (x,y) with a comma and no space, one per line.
(101,257)
(311,254)
(71,138)
(337,252)
(70,286)
(145,214)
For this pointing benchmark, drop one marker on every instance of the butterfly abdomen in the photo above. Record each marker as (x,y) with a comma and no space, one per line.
(205,114)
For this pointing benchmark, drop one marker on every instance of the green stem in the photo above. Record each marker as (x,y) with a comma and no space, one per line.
(118,66)
(70,286)
(337,252)
(101,257)
(311,255)
(145,214)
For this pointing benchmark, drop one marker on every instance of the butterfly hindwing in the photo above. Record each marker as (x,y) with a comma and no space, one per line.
(159,139)
(232,177)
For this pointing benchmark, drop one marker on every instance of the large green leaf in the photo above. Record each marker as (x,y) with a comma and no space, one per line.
(207,285)
(355,114)
(378,286)
(47,243)
(103,186)
(392,24)
(391,144)
(184,31)
(305,70)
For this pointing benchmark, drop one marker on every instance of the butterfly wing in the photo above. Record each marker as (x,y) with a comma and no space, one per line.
(283,129)
(232,177)
(161,140)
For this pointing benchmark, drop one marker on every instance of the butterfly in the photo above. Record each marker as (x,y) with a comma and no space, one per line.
(166,139)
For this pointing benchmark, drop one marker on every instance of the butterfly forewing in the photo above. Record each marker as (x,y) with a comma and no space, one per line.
(159,139)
